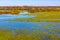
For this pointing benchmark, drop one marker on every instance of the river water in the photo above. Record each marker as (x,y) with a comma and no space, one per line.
(13,25)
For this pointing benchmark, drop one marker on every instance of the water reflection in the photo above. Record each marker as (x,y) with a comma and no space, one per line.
(25,12)
(20,15)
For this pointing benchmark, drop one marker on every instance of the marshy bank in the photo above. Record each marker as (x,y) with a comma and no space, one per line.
(33,26)
(16,30)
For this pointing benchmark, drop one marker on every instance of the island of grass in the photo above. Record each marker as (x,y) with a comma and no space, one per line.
(52,16)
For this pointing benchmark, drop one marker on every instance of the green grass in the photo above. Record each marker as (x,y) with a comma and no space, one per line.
(37,34)
(25,34)
(42,17)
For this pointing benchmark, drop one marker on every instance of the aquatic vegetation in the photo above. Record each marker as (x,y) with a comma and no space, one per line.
(41,17)
(5,34)
(45,28)
(33,17)
(36,34)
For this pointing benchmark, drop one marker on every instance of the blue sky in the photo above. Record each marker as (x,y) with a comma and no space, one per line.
(30,2)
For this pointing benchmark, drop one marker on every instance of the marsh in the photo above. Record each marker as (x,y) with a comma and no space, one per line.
(31,25)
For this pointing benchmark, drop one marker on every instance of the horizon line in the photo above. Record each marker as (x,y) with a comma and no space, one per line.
(17,5)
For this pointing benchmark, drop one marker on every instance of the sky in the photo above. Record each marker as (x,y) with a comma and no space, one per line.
(29,2)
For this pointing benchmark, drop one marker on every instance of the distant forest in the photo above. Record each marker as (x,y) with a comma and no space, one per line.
(31,9)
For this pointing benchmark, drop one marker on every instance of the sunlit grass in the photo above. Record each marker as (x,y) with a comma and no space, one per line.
(42,17)
(46,32)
